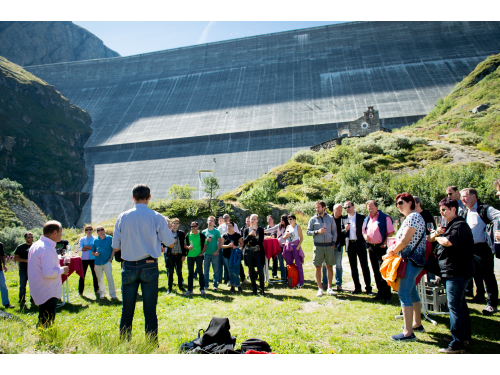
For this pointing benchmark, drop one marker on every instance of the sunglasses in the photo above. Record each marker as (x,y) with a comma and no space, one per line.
(443,210)
(100,230)
(346,207)
(29,237)
(449,194)
(88,230)
(400,203)
(194,226)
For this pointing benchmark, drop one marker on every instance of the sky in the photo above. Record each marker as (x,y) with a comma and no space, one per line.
(136,37)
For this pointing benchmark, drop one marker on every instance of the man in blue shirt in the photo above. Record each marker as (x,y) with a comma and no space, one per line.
(139,233)
(103,252)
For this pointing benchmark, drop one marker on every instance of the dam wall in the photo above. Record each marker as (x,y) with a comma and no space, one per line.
(251,103)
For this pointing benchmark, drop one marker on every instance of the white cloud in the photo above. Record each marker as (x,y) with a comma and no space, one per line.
(204,34)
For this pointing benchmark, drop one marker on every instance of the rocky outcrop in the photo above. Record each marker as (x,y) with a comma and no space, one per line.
(43,42)
(42,135)
(58,208)
(30,216)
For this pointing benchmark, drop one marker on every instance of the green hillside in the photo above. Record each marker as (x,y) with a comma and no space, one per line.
(452,117)
(41,134)
(450,146)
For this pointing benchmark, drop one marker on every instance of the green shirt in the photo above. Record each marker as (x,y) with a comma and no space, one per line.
(212,245)
(195,241)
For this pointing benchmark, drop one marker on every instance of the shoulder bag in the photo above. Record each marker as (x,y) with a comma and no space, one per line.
(404,261)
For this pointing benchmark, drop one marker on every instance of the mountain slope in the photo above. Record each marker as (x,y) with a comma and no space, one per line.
(34,43)
(41,136)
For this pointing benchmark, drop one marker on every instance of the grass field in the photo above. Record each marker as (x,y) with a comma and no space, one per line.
(290,320)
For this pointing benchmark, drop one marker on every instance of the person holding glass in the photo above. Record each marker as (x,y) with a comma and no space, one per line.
(253,238)
(232,242)
(455,256)
(410,244)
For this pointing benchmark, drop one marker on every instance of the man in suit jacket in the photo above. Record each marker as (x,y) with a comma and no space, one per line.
(356,248)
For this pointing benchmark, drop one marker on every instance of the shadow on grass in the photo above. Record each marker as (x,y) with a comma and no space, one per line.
(485,335)
(72,308)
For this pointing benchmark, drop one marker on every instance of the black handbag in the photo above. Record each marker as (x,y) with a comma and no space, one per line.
(404,261)
(432,264)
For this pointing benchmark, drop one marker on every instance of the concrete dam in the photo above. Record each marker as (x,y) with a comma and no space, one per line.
(241,107)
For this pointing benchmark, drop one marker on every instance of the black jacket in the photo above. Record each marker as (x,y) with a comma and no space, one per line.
(182,241)
(457,260)
(360,218)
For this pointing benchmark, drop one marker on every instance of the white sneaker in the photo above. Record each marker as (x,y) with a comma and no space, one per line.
(330,292)
(202,292)
(320,293)
(215,288)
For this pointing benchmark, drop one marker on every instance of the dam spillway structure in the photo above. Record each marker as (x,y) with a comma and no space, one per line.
(243,106)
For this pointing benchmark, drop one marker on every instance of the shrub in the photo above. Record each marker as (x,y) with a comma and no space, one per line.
(304,156)
(307,208)
(181,192)
(180,207)
(465,137)
(12,237)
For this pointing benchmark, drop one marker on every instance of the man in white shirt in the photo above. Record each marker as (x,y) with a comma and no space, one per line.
(139,233)
(44,273)
(478,215)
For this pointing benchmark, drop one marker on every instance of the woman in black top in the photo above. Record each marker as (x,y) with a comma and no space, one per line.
(232,242)
(253,238)
(456,261)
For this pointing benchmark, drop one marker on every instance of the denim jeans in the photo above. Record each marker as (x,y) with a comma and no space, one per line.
(407,292)
(214,260)
(338,267)
(223,270)
(144,273)
(3,290)
(279,259)
(459,312)
(234,271)
(23,280)
(191,261)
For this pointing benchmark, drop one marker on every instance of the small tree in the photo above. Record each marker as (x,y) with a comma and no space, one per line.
(210,187)
(181,192)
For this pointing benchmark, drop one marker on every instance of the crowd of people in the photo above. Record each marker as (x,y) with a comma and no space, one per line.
(461,243)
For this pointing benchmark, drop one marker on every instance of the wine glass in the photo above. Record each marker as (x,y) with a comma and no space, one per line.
(444,223)
(430,227)
(67,260)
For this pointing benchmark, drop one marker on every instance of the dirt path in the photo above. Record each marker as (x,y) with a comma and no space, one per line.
(465,154)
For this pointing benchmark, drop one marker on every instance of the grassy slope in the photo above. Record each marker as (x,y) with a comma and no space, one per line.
(292,321)
(452,113)
(47,153)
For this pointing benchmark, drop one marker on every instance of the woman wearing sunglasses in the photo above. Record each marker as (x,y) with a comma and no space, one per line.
(456,260)
(410,244)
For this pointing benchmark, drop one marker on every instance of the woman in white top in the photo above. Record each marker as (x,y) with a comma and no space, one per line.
(292,251)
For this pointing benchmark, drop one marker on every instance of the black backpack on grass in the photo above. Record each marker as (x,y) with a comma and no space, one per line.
(215,339)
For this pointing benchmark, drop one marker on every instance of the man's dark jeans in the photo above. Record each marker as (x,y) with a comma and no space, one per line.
(174,262)
(484,271)
(376,253)
(191,261)
(144,273)
(47,313)
(357,250)
(81,282)
(459,312)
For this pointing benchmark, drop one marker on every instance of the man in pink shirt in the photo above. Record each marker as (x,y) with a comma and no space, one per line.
(44,273)
(376,228)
